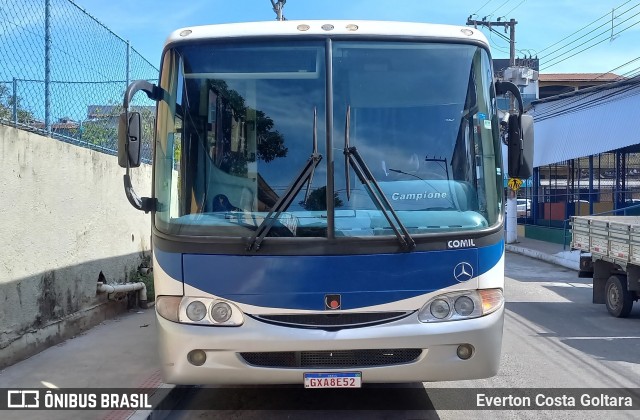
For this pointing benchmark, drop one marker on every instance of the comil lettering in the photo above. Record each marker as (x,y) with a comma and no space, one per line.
(461,243)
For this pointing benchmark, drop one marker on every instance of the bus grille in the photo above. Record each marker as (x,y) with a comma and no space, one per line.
(333,320)
(332,359)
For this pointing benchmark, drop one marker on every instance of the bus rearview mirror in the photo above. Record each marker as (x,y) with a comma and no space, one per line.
(520,146)
(129,139)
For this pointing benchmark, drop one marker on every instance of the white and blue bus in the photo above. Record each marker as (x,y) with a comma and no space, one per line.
(327,203)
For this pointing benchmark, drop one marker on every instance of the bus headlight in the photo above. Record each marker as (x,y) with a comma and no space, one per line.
(221,312)
(460,305)
(207,311)
(439,308)
(464,306)
(196,311)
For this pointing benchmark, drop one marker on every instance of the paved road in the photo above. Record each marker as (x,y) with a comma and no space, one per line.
(554,337)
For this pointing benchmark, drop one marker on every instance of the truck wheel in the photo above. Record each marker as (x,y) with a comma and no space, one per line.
(618,299)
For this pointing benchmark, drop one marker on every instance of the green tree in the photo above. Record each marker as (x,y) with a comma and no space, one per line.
(101,132)
(6,107)
(270,142)
(317,200)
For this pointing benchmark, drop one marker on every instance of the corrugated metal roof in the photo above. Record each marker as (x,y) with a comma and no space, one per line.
(585,124)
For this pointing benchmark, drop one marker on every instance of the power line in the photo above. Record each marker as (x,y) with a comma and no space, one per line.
(509,12)
(584,27)
(563,108)
(632,73)
(481,7)
(499,7)
(619,67)
(530,51)
(591,92)
(592,31)
(599,95)
(505,38)
(563,103)
(593,45)
(495,44)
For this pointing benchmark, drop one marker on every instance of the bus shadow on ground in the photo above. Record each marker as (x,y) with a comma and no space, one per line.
(403,401)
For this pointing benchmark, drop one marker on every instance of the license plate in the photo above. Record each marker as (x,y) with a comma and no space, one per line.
(333,380)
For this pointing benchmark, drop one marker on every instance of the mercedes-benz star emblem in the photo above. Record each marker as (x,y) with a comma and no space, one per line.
(463,272)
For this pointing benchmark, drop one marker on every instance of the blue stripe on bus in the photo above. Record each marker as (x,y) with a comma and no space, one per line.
(170,263)
(301,282)
(489,256)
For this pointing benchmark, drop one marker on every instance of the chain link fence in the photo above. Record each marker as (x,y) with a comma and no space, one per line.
(64,74)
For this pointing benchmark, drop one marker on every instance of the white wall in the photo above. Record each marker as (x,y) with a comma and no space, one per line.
(64,218)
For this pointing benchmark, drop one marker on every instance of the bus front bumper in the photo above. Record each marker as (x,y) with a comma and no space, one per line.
(438,360)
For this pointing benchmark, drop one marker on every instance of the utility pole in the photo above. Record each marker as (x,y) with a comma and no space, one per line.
(512,33)
(277,7)
(512,42)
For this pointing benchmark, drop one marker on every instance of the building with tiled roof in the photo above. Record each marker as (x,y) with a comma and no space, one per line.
(63,127)
(551,84)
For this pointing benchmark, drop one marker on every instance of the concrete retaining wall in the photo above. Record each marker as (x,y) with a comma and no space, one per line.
(64,219)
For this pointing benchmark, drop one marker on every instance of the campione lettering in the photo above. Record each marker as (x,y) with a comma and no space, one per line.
(418,196)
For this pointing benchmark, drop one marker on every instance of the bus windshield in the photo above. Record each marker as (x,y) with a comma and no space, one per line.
(245,134)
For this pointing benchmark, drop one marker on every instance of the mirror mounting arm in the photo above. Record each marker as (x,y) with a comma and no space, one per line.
(155,93)
(503,87)
(146,204)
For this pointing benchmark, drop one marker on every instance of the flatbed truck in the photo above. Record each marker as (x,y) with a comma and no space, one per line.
(611,247)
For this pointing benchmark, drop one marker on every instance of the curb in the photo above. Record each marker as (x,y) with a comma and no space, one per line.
(553,259)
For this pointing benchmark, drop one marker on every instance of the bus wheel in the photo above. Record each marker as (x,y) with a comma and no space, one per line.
(618,299)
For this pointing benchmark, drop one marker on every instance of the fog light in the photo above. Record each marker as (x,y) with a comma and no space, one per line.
(197,357)
(440,308)
(465,351)
(196,311)
(221,312)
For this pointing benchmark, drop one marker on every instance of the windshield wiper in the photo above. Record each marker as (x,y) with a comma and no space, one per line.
(353,159)
(283,203)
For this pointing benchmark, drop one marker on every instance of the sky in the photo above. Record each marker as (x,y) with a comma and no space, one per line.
(541,24)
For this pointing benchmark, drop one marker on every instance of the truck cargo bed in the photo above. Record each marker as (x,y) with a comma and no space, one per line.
(612,238)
